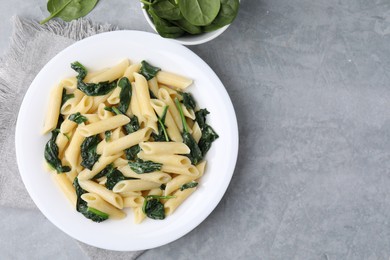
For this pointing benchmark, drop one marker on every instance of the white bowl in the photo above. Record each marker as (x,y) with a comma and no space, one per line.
(190,39)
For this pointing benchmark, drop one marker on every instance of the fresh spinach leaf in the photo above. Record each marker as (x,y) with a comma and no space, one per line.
(187,26)
(91,89)
(51,154)
(148,71)
(131,153)
(125,94)
(115,176)
(107,135)
(82,207)
(226,15)
(153,208)
(189,185)
(69,10)
(199,12)
(188,100)
(195,152)
(78,118)
(65,97)
(167,9)
(141,166)
(165,28)
(88,151)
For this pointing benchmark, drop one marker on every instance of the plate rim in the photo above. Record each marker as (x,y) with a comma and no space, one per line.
(234,128)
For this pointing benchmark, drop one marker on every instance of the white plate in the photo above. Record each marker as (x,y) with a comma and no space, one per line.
(105,50)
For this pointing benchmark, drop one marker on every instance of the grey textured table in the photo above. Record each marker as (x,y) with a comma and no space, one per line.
(310,84)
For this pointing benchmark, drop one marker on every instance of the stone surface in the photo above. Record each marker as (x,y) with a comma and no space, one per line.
(309,83)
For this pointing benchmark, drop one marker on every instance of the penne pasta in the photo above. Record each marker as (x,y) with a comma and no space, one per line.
(188,170)
(170,159)
(104,125)
(53,110)
(157,177)
(95,201)
(133,201)
(109,196)
(103,161)
(66,186)
(164,148)
(134,185)
(172,204)
(112,73)
(173,80)
(163,95)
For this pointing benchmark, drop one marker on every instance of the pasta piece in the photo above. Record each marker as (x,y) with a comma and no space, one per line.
(143,98)
(93,74)
(158,177)
(72,153)
(114,97)
(109,196)
(61,141)
(172,93)
(173,80)
(153,86)
(196,132)
(177,182)
(115,134)
(53,110)
(69,105)
(164,96)
(152,125)
(133,201)
(188,112)
(189,170)
(127,141)
(139,215)
(102,180)
(130,193)
(120,162)
(134,106)
(103,161)
(134,185)
(172,129)
(172,204)
(104,125)
(83,106)
(171,159)
(201,167)
(164,148)
(71,175)
(112,73)
(95,201)
(97,100)
(102,113)
(91,118)
(129,72)
(66,187)
(67,126)
(156,192)
(69,84)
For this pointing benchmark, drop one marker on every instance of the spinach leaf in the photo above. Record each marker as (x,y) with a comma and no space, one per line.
(153,208)
(163,186)
(188,100)
(81,206)
(162,135)
(148,71)
(125,94)
(200,117)
(91,89)
(51,155)
(141,166)
(65,97)
(226,15)
(165,28)
(195,152)
(199,12)
(88,151)
(69,10)
(131,153)
(109,168)
(167,9)
(107,135)
(132,126)
(207,138)
(115,176)
(189,185)
(78,118)
(187,26)
(208,133)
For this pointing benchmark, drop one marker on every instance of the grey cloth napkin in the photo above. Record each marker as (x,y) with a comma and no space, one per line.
(32,46)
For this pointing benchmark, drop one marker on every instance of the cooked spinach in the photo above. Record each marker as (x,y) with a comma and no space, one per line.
(199,12)
(195,152)
(226,15)
(148,71)
(188,100)
(51,154)
(82,207)
(88,151)
(115,176)
(131,153)
(189,185)
(164,27)
(78,118)
(132,126)
(69,10)
(208,133)
(125,94)
(66,97)
(153,208)
(91,89)
(107,135)
(162,135)
(109,168)
(141,166)
(163,186)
